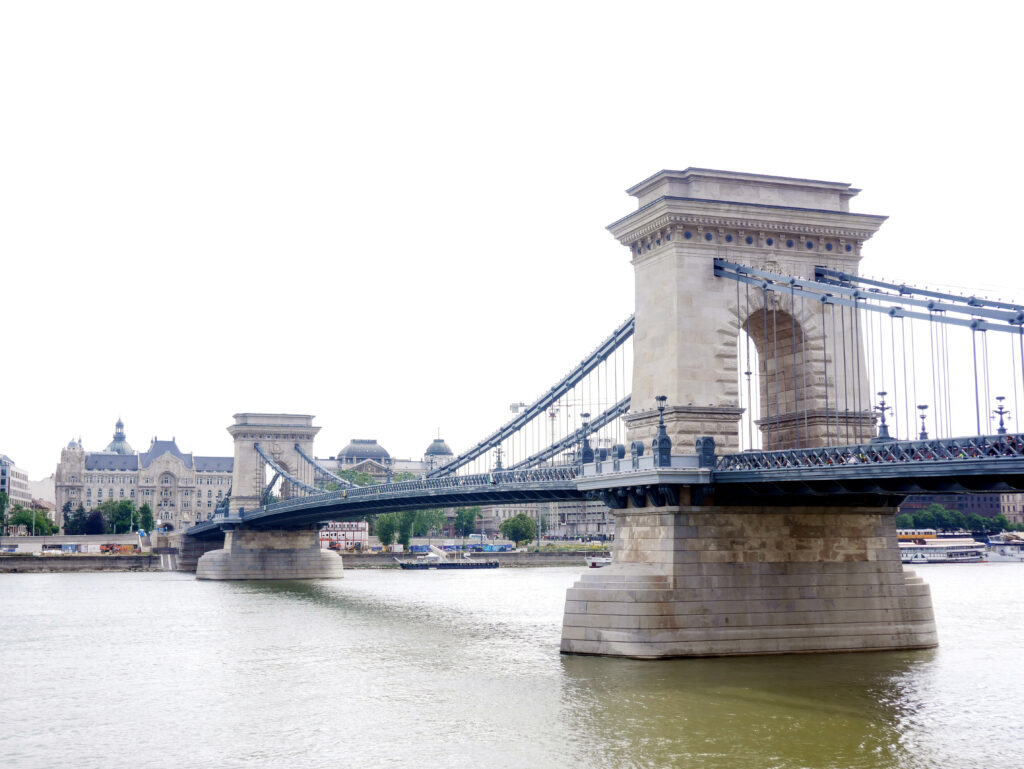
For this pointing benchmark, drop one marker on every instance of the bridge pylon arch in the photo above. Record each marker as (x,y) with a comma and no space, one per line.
(688,321)
(277,435)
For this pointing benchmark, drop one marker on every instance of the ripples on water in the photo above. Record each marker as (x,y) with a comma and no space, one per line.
(395,669)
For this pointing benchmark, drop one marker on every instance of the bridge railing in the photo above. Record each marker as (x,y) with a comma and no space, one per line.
(939,450)
(480,480)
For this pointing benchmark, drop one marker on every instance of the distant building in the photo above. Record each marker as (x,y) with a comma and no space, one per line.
(985,505)
(437,455)
(181,489)
(582,519)
(14,482)
(1012,506)
(365,455)
(345,535)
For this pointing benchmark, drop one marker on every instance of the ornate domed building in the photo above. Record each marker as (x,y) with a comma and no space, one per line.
(437,455)
(365,455)
(182,489)
(119,445)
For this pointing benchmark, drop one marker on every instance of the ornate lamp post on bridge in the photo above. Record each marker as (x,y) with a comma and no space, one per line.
(924,433)
(1001,412)
(883,428)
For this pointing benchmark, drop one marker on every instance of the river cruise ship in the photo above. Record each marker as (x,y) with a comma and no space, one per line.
(925,546)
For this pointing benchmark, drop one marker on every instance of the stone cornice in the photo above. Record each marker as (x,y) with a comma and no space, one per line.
(669,212)
(706,222)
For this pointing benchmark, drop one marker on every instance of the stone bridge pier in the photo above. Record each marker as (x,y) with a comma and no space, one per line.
(252,553)
(694,581)
(696,578)
(270,554)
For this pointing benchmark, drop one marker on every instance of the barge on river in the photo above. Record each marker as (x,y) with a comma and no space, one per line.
(438,559)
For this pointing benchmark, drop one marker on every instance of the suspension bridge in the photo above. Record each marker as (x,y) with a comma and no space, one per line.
(753,426)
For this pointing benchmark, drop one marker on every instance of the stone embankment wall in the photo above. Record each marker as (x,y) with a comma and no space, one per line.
(60,563)
(29,564)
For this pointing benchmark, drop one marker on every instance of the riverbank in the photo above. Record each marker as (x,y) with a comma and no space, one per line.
(41,564)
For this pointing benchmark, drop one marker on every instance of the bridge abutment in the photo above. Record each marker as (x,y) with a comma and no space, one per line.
(691,581)
(259,554)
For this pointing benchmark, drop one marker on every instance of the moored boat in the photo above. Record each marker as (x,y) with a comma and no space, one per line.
(1008,546)
(438,559)
(952,550)
(597,561)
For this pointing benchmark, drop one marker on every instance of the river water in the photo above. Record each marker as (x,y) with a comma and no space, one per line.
(410,669)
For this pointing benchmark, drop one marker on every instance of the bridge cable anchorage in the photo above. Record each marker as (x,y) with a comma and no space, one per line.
(293,480)
(510,430)
(323,471)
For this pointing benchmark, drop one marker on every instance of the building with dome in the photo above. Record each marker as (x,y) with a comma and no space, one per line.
(119,445)
(437,455)
(182,489)
(365,455)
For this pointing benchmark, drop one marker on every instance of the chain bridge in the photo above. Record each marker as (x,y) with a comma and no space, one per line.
(753,427)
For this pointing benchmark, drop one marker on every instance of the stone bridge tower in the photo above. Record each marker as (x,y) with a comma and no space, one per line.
(688,321)
(277,435)
(706,575)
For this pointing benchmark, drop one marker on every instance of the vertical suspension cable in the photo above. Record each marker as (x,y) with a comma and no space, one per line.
(748,372)
(913,366)
(988,394)
(775,357)
(907,407)
(739,366)
(947,378)
(881,354)
(1013,377)
(792,361)
(766,399)
(824,361)
(974,356)
(937,424)
(1020,339)
(870,349)
(803,364)
(857,373)
(835,371)
(895,383)
(846,378)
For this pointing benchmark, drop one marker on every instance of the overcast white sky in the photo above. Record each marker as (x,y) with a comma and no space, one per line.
(392,215)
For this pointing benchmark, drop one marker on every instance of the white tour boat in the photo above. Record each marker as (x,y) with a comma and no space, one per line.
(941,550)
(597,561)
(1008,546)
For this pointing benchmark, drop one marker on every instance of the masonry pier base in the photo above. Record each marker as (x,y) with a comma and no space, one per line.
(691,581)
(255,554)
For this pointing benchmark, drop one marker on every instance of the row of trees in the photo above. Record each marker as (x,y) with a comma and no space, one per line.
(935,516)
(36,521)
(402,527)
(110,517)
